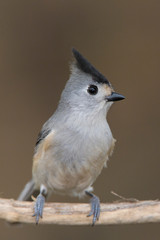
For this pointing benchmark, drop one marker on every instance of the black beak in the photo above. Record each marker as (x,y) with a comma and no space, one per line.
(115,97)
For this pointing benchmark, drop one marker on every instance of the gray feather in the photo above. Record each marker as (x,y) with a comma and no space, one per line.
(43,133)
(27,191)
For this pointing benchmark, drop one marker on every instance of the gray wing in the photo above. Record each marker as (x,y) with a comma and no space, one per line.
(46,129)
(42,135)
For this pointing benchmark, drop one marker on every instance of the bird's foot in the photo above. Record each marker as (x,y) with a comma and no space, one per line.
(38,207)
(95,207)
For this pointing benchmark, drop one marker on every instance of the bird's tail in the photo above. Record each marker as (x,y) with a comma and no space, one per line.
(28,191)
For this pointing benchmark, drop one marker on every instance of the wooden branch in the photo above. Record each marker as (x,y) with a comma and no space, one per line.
(75,213)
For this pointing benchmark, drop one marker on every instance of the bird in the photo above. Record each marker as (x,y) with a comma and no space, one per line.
(76,142)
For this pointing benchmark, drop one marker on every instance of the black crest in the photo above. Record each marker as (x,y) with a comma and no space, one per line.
(87,67)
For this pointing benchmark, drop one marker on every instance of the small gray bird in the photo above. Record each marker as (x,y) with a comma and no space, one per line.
(76,142)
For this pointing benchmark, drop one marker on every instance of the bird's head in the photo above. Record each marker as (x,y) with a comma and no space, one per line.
(87,90)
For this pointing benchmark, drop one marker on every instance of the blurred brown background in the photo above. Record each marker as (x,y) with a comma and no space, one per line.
(122,39)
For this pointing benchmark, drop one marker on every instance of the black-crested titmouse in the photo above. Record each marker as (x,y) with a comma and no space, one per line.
(76,142)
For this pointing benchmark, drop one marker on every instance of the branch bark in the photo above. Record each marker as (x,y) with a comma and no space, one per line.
(75,213)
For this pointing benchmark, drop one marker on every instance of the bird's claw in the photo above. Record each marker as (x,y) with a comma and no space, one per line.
(38,207)
(95,209)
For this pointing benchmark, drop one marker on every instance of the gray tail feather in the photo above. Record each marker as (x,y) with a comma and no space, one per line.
(28,191)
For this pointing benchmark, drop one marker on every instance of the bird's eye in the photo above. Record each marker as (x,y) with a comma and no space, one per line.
(92,89)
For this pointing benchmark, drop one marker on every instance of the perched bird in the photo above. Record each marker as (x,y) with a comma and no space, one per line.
(76,142)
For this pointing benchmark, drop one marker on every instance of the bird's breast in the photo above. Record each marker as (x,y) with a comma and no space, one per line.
(74,161)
